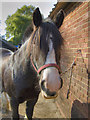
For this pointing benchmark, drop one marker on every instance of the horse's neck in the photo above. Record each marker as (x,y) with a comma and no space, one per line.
(22,56)
(24,51)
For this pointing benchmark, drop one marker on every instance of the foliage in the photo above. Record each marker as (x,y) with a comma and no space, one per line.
(18,22)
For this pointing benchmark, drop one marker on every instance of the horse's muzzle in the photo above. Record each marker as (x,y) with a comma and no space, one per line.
(46,93)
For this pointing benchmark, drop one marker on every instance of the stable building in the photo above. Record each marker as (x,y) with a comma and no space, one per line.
(75,32)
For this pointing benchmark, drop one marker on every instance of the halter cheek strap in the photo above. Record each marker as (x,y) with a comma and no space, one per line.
(44,67)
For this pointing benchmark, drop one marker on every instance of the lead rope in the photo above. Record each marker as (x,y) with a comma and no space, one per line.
(71,69)
(68,92)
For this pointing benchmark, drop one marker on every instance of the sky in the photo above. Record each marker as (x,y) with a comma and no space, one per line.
(9,7)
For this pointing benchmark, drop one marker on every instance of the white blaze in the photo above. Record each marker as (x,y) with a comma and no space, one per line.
(51,75)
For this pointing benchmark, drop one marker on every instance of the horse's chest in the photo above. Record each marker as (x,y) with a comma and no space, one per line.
(25,84)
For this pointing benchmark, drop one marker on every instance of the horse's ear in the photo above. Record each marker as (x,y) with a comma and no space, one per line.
(59,18)
(37,17)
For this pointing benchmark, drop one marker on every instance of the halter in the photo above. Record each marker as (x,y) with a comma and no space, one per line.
(44,67)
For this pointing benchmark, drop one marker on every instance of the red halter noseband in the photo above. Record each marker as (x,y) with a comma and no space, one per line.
(45,66)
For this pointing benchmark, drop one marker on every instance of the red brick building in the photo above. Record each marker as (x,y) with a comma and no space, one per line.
(75,32)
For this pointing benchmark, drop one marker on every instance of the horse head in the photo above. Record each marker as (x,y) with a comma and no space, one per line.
(45,52)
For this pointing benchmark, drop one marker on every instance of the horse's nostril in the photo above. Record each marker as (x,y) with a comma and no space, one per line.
(42,82)
(43,85)
(61,83)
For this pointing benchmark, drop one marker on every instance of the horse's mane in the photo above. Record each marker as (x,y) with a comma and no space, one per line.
(27,33)
(29,30)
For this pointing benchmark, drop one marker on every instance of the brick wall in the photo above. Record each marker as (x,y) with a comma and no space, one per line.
(75,31)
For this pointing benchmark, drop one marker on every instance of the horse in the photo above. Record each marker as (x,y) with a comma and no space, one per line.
(35,66)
